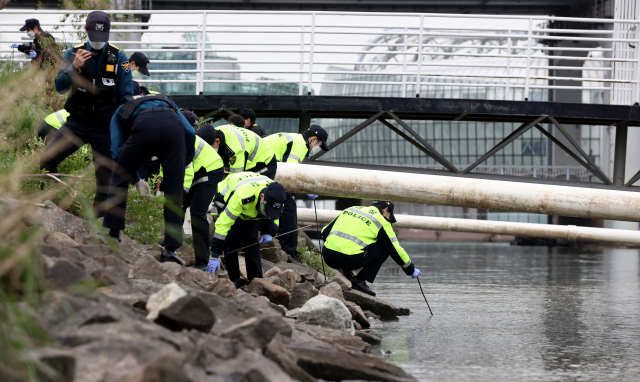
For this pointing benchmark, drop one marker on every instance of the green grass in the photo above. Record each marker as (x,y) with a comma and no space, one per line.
(311,257)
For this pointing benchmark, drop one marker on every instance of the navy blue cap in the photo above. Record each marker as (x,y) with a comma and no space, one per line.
(191,117)
(382,204)
(322,135)
(207,133)
(30,24)
(98,26)
(142,62)
(274,197)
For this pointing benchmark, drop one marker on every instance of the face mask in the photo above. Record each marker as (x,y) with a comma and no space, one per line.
(262,208)
(31,34)
(97,44)
(216,150)
(136,74)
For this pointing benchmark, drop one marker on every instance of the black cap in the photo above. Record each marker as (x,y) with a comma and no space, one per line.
(274,197)
(207,133)
(191,117)
(142,62)
(29,24)
(322,135)
(98,26)
(382,204)
(136,88)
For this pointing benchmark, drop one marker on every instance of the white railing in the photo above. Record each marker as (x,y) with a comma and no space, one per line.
(499,57)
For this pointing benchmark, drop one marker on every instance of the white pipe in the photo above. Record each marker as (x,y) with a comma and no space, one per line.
(571,232)
(460,192)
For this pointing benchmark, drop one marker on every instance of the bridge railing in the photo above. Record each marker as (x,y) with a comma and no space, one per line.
(404,55)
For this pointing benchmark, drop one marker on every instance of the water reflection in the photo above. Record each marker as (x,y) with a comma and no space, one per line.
(516,313)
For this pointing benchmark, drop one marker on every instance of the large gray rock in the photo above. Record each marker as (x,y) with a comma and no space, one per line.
(223,288)
(340,279)
(287,361)
(306,272)
(328,312)
(335,365)
(301,294)
(278,281)
(334,290)
(290,277)
(251,366)
(357,314)
(272,252)
(55,219)
(376,305)
(257,332)
(65,273)
(274,293)
(272,272)
(148,268)
(188,312)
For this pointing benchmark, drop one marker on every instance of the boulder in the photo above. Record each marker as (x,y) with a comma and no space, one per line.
(356,325)
(335,365)
(55,219)
(376,305)
(56,252)
(272,272)
(275,294)
(180,274)
(287,361)
(306,272)
(161,369)
(223,288)
(188,312)
(163,299)
(243,266)
(257,332)
(278,281)
(340,279)
(301,294)
(369,338)
(266,265)
(188,255)
(327,312)
(148,268)
(220,274)
(203,279)
(334,290)
(272,252)
(54,365)
(64,273)
(357,314)
(60,239)
(290,277)
(250,365)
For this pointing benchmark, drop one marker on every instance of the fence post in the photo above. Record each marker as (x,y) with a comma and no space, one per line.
(203,39)
(301,59)
(508,66)
(419,57)
(637,73)
(311,46)
(404,65)
(528,74)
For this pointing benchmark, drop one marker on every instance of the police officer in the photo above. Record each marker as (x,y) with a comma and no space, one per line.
(242,199)
(142,127)
(241,149)
(249,117)
(52,122)
(293,148)
(200,186)
(97,76)
(139,65)
(43,46)
(362,237)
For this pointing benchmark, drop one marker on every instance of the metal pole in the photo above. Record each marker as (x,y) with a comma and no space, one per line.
(620,155)
(528,74)
(550,231)
(637,73)
(460,192)
(203,39)
(404,64)
(419,57)
(311,47)
(301,59)
(425,297)
(319,239)
(506,96)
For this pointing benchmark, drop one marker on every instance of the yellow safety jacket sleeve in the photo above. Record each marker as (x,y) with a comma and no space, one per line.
(225,221)
(57,119)
(236,149)
(288,147)
(188,177)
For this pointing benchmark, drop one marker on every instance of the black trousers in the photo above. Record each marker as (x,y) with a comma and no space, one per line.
(198,198)
(370,260)
(149,169)
(67,140)
(243,233)
(158,134)
(44,129)
(288,223)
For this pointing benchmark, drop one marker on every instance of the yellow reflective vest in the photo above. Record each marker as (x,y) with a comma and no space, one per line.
(204,157)
(244,149)
(240,193)
(288,147)
(358,227)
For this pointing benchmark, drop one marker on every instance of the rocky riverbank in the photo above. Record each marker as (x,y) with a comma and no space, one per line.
(148,321)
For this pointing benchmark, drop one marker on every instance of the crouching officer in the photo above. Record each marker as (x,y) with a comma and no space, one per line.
(96,74)
(362,237)
(293,148)
(241,149)
(242,200)
(200,186)
(142,127)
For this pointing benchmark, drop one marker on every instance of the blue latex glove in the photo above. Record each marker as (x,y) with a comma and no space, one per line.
(214,265)
(416,273)
(33,54)
(266,238)
(15,45)
(312,196)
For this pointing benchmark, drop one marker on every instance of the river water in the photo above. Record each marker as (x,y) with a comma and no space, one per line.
(506,313)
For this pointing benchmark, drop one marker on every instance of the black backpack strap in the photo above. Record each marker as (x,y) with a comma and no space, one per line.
(285,156)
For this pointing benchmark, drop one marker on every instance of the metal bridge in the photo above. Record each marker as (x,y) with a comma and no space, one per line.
(522,60)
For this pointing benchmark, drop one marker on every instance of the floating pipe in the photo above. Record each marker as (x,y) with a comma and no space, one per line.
(570,232)
(460,192)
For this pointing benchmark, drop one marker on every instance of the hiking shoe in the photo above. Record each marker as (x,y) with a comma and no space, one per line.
(294,258)
(362,286)
(202,267)
(170,256)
